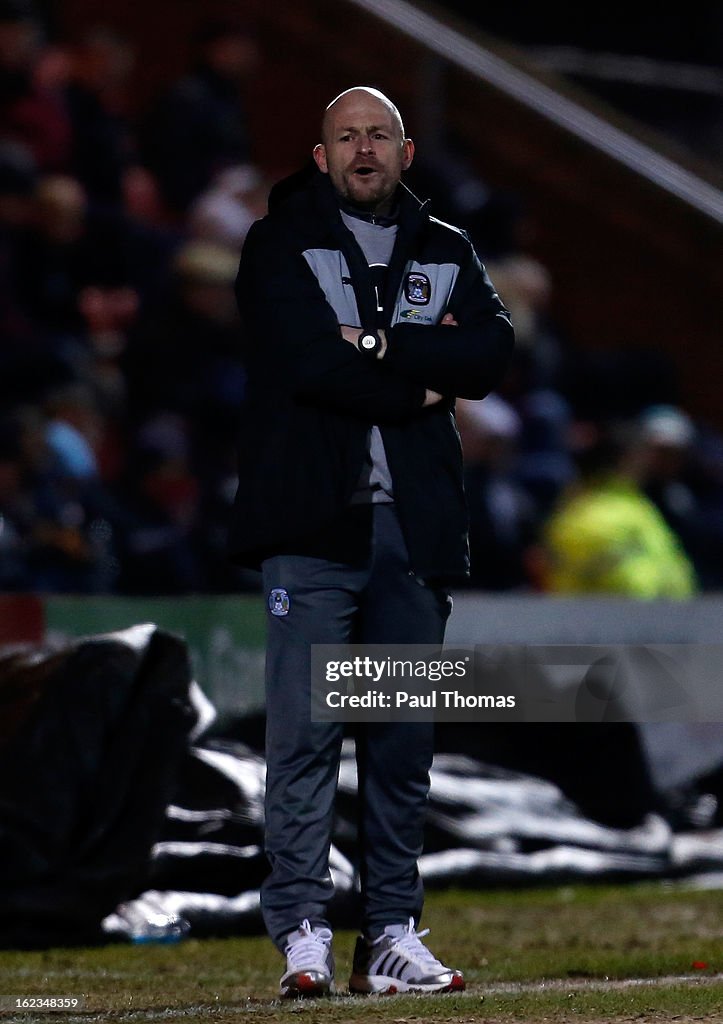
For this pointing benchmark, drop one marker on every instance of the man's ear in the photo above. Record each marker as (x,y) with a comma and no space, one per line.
(320,157)
(407,154)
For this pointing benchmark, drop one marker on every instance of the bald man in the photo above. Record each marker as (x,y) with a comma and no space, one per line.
(364,319)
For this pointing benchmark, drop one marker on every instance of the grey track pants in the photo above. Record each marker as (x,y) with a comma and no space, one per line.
(331,602)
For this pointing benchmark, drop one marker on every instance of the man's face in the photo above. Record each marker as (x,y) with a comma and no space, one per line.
(363,151)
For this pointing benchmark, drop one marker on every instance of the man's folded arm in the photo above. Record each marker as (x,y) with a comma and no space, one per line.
(293,335)
(465,361)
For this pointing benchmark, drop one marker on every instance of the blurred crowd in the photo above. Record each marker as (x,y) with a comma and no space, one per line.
(121,379)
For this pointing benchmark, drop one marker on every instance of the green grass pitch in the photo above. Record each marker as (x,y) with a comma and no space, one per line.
(635,953)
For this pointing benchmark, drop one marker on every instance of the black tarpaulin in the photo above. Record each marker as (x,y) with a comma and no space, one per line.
(92,738)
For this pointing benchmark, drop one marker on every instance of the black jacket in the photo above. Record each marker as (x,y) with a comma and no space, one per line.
(312,397)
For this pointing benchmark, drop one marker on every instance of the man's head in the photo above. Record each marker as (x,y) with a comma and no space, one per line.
(363,148)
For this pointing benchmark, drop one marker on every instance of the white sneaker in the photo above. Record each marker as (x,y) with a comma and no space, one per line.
(309,963)
(398,961)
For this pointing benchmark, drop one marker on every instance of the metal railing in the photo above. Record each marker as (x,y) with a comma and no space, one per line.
(448,43)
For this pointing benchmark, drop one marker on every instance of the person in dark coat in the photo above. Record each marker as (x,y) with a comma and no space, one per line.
(364,317)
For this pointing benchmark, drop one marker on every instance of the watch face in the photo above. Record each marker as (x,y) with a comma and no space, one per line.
(368,342)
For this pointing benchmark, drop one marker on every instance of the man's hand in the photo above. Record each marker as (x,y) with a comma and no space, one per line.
(351,334)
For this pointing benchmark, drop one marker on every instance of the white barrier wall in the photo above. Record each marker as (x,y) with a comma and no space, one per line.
(677,751)
(493,619)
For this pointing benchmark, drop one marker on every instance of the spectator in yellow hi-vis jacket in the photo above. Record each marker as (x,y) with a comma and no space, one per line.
(607,537)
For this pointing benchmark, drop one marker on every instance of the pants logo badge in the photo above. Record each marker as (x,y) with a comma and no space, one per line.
(279,601)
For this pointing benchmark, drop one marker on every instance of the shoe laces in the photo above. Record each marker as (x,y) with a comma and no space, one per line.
(309,948)
(410,943)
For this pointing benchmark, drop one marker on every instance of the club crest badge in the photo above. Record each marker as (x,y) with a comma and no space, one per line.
(279,601)
(417,288)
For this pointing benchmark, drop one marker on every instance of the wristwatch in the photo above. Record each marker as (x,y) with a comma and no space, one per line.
(369,343)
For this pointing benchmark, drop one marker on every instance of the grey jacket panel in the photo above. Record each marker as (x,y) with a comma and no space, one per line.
(331,270)
(422,299)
